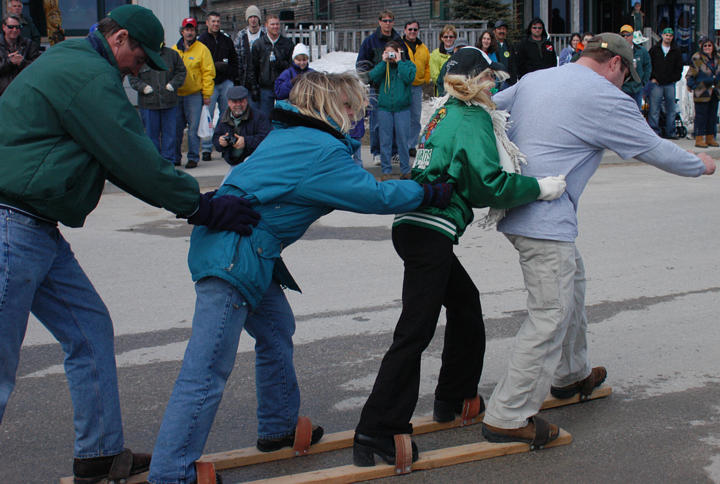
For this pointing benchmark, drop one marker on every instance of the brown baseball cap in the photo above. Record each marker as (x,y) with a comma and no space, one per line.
(618,46)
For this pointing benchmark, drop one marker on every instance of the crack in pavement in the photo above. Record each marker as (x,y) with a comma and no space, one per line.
(34,358)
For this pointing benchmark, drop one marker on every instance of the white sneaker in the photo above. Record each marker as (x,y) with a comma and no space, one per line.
(376,160)
(396,159)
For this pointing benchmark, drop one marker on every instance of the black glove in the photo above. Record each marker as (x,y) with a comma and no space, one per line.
(226,212)
(437,194)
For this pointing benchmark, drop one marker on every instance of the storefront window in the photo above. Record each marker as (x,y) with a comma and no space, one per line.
(438,9)
(77,15)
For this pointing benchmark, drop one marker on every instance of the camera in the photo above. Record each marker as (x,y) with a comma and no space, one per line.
(392,55)
(229,139)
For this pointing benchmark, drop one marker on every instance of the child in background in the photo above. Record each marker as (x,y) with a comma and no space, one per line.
(394,76)
(357,132)
(284,82)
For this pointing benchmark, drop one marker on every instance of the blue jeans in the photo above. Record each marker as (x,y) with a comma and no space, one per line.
(161,128)
(658,93)
(39,274)
(357,156)
(219,97)
(397,123)
(189,110)
(706,117)
(220,315)
(374,127)
(415,113)
(267,101)
(638,98)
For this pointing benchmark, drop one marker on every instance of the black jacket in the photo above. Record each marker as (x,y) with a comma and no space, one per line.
(266,71)
(224,55)
(160,98)
(8,70)
(666,69)
(533,56)
(254,128)
(507,56)
(242,47)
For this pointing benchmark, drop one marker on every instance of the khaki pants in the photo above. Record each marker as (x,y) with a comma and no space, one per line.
(551,346)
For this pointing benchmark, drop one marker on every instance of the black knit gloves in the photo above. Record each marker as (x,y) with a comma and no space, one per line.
(226,212)
(437,194)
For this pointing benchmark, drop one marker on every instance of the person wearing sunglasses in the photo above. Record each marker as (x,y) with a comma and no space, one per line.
(535,51)
(370,55)
(642,64)
(584,112)
(439,56)
(417,53)
(16,52)
(702,79)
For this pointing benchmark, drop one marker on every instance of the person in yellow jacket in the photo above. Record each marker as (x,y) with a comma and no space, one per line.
(418,54)
(195,91)
(439,56)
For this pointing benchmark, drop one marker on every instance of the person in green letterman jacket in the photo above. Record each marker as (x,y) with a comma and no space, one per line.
(459,145)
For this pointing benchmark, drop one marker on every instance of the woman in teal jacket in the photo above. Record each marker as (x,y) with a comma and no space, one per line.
(300,172)
(461,144)
(394,77)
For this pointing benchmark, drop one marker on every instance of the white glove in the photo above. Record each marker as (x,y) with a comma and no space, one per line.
(169,87)
(551,187)
(147,90)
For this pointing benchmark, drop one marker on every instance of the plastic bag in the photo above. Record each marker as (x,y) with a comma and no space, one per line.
(205,127)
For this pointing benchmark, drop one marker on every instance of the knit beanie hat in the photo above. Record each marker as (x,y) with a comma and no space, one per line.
(252,11)
(300,49)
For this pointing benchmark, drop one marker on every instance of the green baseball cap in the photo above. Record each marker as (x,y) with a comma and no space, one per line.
(668,31)
(618,46)
(143,26)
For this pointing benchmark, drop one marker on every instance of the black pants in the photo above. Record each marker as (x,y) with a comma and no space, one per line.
(433,278)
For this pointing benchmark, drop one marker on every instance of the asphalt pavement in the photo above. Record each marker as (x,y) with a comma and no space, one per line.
(649,241)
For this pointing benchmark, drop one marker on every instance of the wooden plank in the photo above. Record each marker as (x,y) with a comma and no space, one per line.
(600,392)
(341,440)
(427,460)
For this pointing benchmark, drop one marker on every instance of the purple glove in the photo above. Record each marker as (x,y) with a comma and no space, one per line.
(226,212)
(437,194)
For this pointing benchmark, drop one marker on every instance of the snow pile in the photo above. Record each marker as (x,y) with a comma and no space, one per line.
(335,62)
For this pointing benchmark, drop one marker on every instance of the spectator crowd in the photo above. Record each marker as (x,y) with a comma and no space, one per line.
(204,66)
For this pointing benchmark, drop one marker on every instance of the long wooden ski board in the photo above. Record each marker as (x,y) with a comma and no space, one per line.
(341,440)
(432,459)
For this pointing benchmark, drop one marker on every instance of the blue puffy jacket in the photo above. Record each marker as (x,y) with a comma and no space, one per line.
(284,84)
(300,172)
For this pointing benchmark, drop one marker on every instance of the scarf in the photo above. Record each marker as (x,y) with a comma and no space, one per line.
(511,158)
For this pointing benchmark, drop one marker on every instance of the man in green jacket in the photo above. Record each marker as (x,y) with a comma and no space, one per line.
(631,87)
(66,126)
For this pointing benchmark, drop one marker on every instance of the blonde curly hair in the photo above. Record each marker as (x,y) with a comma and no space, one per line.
(474,89)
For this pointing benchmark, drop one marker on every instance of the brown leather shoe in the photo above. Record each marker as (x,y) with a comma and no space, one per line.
(700,142)
(710,140)
(537,433)
(584,387)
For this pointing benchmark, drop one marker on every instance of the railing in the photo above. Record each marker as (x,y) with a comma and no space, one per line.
(326,38)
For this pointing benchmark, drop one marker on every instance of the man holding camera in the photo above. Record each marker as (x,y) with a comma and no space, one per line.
(16,52)
(241,128)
